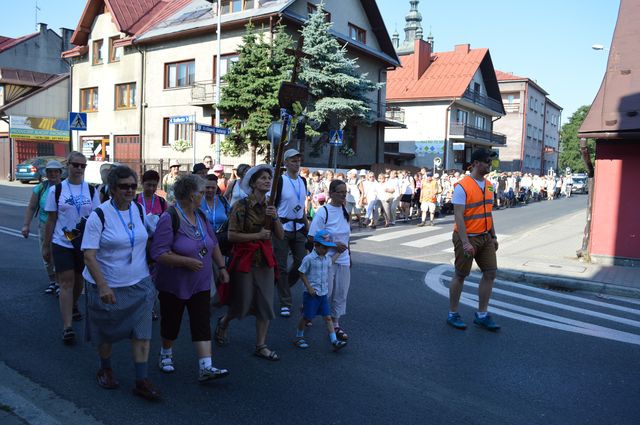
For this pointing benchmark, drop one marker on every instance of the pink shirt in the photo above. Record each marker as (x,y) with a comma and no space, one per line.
(153,206)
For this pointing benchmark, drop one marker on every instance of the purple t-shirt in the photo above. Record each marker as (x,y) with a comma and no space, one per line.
(180,281)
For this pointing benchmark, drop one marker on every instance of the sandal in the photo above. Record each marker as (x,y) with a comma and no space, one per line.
(301,343)
(341,334)
(337,344)
(221,334)
(272,356)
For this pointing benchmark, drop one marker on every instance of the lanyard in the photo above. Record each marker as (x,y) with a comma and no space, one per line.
(297,189)
(144,203)
(197,222)
(77,204)
(129,229)
(211,213)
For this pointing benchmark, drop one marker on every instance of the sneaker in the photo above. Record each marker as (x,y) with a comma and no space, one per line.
(421,224)
(106,379)
(68,336)
(51,288)
(211,373)
(431,223)
(165,363)
(337,344)
(57,290)
(145,389)
(486,322)
(456,321)
(285,312)
(76,315)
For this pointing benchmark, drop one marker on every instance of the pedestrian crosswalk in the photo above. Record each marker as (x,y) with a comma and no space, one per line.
(618,319)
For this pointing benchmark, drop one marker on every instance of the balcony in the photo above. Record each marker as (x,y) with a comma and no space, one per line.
(460,130)
(480,99)
(203,93)
(393,113)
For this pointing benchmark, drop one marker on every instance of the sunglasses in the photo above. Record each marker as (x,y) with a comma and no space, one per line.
(78,165)
(124,186)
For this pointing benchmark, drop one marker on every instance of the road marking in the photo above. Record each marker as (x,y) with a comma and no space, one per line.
(14,232)
(13,203)
(387,236)
(433,280)
(424,242)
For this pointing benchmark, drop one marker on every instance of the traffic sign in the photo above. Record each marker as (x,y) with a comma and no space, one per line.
(213,130)
(78,121)
(336,137)
(183,119)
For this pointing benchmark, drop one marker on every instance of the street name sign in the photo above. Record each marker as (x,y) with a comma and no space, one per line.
(213,130)
(181,119)
(78,121)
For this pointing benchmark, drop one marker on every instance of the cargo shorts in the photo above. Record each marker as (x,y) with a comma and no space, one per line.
(485,254)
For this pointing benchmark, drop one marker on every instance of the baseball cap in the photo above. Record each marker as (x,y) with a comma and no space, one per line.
(324,238)
(53,165)
(218,167)
(290,153)
(483,155)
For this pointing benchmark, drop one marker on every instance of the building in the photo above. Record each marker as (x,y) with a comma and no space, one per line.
(532,126)
(138,64)
(448,102)
(614,121)
(34,93)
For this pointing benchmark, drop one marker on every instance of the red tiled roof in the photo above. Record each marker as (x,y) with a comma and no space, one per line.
(7,43)
(448,75)
(505,76)
(75,52)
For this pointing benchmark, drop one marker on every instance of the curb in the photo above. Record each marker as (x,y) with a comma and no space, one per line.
(568,283)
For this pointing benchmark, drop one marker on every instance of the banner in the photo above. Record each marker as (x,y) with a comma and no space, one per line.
(429,147)
(35,128)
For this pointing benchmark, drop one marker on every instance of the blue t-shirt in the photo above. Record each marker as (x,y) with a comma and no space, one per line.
(217,214)
(41,191)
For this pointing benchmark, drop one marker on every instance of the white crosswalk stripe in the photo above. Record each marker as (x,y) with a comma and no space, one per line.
(397,234)
(566,312)
(432,240)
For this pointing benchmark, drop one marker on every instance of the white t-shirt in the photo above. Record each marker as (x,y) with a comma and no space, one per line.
(120,265)
(406,186)
(292,202)
(353,191)
(237,193)
(74,203)
(337,225)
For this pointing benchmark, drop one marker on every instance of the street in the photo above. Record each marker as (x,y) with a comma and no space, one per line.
(560,358)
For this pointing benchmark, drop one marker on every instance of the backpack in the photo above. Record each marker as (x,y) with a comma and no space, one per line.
(344,213)
(279,191)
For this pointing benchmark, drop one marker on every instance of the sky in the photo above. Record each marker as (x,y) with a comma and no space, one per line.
(548,41)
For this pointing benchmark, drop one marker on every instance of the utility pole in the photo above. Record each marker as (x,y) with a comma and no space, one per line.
(217,92)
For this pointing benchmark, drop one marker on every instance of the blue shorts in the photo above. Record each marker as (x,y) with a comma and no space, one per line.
(314,306)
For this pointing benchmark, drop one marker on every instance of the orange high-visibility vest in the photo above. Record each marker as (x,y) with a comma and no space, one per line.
(478,207)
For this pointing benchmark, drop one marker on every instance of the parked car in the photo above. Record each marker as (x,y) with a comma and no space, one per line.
(33,168)
(580,183)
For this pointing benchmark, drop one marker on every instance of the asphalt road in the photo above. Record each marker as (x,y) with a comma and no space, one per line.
(403,365)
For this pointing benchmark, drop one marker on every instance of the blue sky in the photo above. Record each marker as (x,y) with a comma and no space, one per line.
(548,41)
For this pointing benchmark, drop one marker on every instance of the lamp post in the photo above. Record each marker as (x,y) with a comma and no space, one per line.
(216,95)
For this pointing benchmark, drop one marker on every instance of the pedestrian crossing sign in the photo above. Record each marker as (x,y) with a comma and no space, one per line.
(77,121)
(335,137)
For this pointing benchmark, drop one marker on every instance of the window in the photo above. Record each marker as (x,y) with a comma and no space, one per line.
(233,6)
(98,57)
(226,63)
(481,122)
(172,132)
(462,116)
(357,33)
(89,99)
(528,131)
(531,103)
(311,9)
(114,52)
(179,74)
(125,96)
(510,99)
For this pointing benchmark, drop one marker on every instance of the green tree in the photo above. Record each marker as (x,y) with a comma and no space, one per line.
(570,156)
(250,97)
(338,92)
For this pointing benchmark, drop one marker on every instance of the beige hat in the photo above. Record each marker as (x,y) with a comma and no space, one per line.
(174,163)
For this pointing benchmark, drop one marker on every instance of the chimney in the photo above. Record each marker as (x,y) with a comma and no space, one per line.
(42,27)
(462,48)
(66,34)
(422,53)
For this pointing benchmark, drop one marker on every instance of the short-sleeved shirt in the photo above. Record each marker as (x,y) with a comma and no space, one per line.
(247,215)
(336,224)
(113,244)
(167,185)
(216,214)
(316,269)
(154,206)
(41,192)
(460,196)
(292,200)
(75,202)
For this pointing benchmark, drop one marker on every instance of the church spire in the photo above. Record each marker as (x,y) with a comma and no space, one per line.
(413,28)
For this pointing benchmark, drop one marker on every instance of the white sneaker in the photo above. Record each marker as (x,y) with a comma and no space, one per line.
(285,312)
(165,363)
(211,373)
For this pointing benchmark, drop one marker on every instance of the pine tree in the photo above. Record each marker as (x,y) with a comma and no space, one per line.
(338,92)
(250,96)
(570,156)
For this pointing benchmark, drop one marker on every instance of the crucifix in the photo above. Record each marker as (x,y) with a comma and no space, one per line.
(290,92)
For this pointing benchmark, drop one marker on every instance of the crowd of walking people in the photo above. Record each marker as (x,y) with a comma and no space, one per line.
(193,241)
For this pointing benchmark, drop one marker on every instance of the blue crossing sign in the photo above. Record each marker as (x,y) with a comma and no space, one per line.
(213,130)
(336,137)
(78,121)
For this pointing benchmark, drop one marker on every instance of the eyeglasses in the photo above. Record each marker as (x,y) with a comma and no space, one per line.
(124,186)
(78,165)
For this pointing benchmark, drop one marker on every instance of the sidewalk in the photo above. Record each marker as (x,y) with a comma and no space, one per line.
(546,256)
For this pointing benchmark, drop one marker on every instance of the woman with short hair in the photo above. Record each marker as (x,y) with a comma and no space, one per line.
(253,262)
(119,304)
(214,205)
(184,247)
